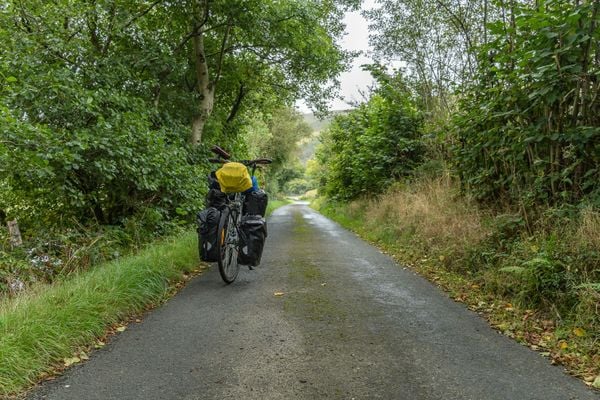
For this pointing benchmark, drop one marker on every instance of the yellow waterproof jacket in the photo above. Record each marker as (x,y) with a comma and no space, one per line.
(233,177)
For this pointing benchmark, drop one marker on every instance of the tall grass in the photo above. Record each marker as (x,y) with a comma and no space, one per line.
(44,326)
(430,214)
(588,231)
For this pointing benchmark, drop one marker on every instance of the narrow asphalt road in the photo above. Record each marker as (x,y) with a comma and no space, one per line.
(351,324)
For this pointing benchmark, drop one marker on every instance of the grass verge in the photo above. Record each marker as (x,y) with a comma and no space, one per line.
(275,204)
(541,288)
(42,330)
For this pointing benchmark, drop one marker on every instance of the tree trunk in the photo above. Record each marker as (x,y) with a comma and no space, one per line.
(15,234)
(198,124)
(205,88)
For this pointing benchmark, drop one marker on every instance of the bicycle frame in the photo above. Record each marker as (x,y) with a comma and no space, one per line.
(235,206)
(229,240)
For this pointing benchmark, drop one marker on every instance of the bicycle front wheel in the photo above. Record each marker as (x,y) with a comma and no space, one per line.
(228,246)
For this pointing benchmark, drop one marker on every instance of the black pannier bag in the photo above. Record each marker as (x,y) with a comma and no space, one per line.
(213,182)
(208,226)
(215,198)
(255,203)
(253,232)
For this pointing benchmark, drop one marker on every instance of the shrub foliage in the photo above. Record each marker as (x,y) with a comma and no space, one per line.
(367,149)
(529,128)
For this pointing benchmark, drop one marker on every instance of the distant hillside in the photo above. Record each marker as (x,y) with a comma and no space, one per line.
(309,145)
(320,124)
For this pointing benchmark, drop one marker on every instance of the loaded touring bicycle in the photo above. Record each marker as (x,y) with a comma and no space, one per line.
(232,229)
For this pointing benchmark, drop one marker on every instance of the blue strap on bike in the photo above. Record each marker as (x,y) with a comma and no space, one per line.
(254,187)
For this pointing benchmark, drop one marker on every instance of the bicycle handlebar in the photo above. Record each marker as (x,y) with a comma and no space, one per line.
(226,157)
(219,151)
(248,163)
(264,161)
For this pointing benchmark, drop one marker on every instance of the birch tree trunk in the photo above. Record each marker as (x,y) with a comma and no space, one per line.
(205,88)
(15,233)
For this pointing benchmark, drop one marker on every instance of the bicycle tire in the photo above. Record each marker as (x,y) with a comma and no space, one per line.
(227,249)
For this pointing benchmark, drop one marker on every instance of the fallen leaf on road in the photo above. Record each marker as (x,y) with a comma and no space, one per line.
(70,361)
(84,356)
(121,328)
(502,327)
(278,294)
(324,284)
(596,382)
(99,344)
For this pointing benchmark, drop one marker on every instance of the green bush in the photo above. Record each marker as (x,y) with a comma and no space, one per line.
(103,174)
(298,186)
(528,130)
(368,149)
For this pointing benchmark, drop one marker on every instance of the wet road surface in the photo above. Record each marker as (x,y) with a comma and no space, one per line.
(350,324)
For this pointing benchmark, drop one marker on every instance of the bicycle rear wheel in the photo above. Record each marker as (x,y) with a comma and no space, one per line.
(228,246)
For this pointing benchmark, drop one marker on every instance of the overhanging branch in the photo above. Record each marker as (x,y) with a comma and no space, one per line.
(141,14)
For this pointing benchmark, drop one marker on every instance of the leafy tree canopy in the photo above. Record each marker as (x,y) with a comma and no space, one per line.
(100,98)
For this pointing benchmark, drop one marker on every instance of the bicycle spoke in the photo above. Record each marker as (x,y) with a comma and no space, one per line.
(231,260)
(228,263)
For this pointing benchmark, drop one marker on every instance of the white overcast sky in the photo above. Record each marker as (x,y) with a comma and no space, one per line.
(355,80)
